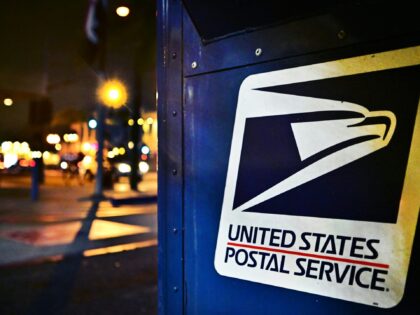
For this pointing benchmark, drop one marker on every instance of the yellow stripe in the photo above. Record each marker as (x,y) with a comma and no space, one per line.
(119,248)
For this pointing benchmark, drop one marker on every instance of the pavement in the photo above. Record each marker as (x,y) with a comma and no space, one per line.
(66,254)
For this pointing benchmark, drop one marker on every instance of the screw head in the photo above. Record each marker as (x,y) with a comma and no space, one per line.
(174,172)
(173,55)
(174,113)
(175,289)
(341,34)
(194,65)
(175,230)
(258,52)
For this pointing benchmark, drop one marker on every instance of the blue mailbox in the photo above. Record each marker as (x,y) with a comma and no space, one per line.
(289,146)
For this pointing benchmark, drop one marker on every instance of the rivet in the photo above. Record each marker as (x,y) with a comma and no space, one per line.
(173,55)
(175,289)
(258,52)
(174,113)
(194,65)
(341,34)
(174,172)
(175,230)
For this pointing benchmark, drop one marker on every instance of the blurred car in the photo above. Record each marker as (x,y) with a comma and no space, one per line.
(123,168)
(16,166)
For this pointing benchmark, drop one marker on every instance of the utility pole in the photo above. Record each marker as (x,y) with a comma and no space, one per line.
(100,131)
(135,131)
(95,29)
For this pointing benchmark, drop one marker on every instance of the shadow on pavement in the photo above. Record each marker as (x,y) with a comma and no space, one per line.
(111,282)
(18,192)
(57,293)
(114,283)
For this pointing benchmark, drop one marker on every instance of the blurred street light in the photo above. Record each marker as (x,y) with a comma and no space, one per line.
(122,11)
(6,146)
(112,93)
(86,147)
(53,138)
(145,149)
(71,137)
(10,159)
(143,167)
(124,168)
(8,102)
(92,123)
(36,154)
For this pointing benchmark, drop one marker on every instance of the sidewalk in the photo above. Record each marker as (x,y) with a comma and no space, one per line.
(47,229)
(146,192)
(65,254)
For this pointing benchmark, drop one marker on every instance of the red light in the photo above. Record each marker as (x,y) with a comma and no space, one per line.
(144,157)
(23,163)
(32,163)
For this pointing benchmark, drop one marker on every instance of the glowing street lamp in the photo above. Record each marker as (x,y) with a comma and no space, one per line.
(112,93)
(122,11)
(8,101)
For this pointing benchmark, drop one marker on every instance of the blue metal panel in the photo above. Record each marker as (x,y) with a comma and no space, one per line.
(197,108)
(170,190)
(210,107)
(336,29)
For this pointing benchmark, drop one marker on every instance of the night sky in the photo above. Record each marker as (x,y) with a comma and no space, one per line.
(41,43)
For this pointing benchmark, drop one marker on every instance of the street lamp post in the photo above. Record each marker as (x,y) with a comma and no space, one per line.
(99,154)
(111,93)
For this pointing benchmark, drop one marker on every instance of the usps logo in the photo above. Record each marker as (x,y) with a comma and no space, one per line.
(322,185)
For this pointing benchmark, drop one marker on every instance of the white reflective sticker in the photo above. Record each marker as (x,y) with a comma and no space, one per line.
(322,185)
